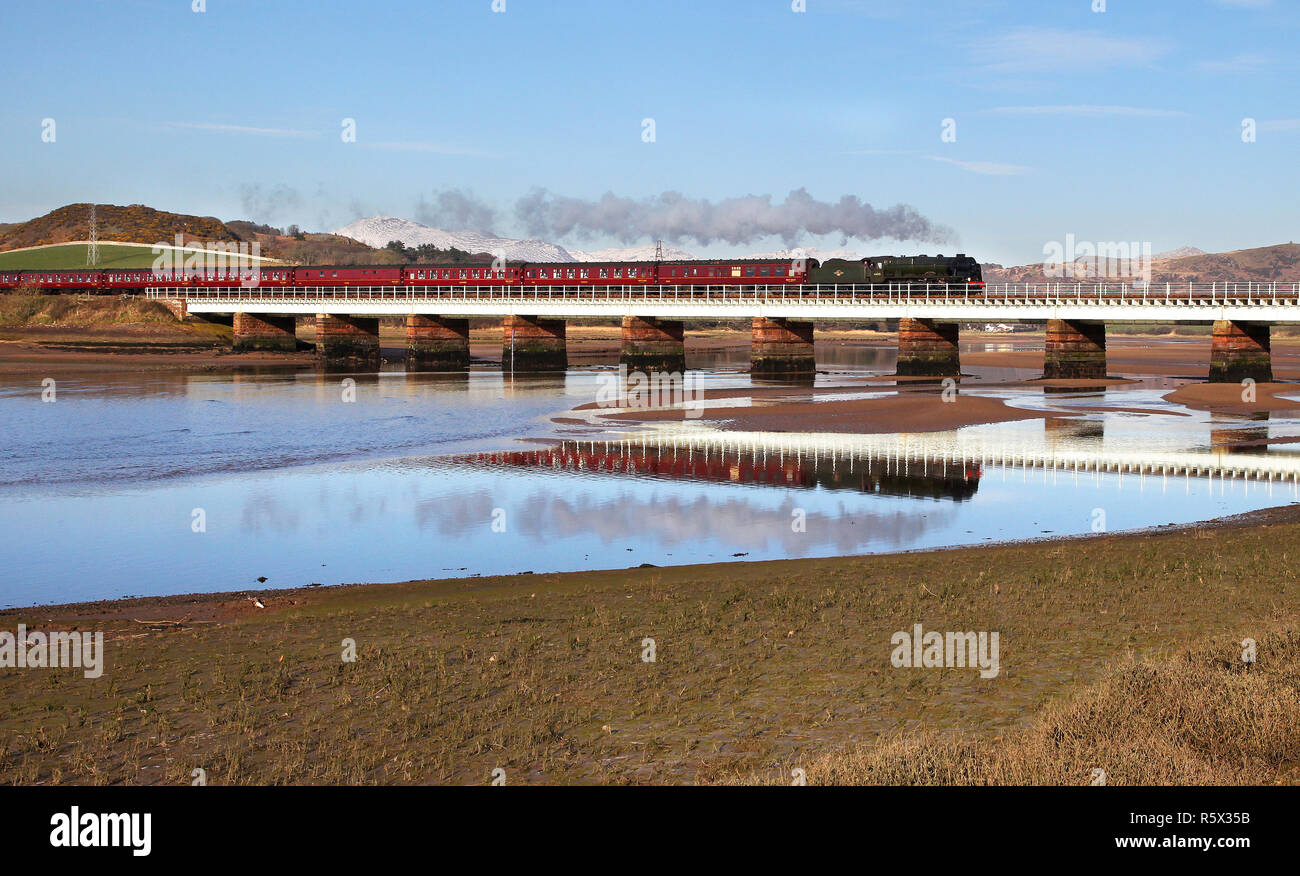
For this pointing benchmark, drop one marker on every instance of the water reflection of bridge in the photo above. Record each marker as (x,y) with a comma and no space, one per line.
(922,454)
(939,465)
(752,466)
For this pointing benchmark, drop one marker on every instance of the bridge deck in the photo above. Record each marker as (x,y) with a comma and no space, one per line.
(1270,303)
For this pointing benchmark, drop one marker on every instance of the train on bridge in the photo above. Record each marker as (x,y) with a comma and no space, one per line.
(923,269)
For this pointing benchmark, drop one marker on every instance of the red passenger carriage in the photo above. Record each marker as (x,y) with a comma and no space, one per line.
(461,275)
(589,273)
(348,275)
(733,272)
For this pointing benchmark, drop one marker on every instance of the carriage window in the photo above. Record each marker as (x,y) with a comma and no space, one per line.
(631,272)
(779,272)
(735,272)
(749,272)
(584,273)
(764,271)
(618,272)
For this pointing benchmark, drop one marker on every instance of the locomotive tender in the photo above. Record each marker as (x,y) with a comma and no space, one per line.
(699,273)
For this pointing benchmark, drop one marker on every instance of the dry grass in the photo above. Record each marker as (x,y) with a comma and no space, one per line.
(1202,718)
(22,310)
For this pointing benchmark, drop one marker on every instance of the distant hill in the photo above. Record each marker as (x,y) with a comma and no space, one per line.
(1265,264)
(137,223)
(1179,253)
(134,224)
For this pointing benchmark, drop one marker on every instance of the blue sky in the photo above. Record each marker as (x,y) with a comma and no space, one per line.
(1117,125)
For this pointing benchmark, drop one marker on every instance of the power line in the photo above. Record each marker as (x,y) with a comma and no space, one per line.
(92,251)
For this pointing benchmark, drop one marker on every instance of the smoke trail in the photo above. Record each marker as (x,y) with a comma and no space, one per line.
(455,209)
(263,204)
(674,217)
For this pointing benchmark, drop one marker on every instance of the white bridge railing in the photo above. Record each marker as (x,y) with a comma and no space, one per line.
(1011,293)
(1190,302)
(928,453)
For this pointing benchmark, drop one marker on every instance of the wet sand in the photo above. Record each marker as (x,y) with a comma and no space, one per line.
(870,416)
(918,407)
(1232,398)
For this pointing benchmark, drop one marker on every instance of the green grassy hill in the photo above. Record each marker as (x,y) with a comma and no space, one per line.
(72,256)
(137,223)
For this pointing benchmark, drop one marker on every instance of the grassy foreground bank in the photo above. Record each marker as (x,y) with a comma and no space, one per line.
(81,311)
(760,668)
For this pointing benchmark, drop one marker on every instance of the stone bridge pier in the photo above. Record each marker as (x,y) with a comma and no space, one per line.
(530,343)
(1075,350)
(261,331)
(927,348)
(652,344)
(351,341)
(1241,351)
(782,346)
(436,343)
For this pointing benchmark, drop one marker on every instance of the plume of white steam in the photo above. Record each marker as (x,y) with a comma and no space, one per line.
(673,217)
(455,208)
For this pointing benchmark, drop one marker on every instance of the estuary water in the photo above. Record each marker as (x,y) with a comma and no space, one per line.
(165,483)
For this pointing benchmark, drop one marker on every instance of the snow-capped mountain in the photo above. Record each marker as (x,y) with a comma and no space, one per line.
(1181,252)
(628,254)
(811,252)
(377,231)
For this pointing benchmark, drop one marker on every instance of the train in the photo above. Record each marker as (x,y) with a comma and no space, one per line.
(959,269)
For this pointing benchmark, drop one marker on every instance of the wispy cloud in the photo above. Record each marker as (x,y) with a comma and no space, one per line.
(1247,62)
(421,146)
(987,168)
(1046,49)
(242,129)
(880,152)
(1276,125)
(1091,111)
(1245,4)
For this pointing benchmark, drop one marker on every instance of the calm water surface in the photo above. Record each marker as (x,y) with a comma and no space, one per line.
(426,476)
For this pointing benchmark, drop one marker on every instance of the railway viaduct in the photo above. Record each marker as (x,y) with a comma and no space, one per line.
(533,321)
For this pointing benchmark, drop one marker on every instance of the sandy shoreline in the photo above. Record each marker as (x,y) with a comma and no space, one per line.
(872,416)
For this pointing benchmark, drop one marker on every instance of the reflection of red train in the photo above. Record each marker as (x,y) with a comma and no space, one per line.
(719,272)
(885,476)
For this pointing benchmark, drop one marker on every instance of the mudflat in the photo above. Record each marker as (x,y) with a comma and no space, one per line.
(758,667)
